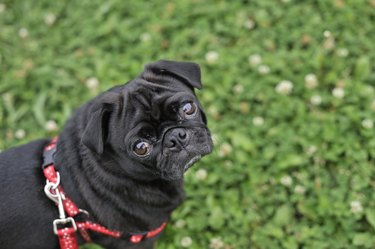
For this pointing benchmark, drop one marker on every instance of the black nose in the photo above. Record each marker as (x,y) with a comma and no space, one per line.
(176,138)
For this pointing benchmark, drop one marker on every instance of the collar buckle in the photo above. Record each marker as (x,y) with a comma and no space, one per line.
(64,221)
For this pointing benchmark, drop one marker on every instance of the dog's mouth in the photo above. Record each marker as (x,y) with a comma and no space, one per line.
(191,162)
(173,164)
(176,170)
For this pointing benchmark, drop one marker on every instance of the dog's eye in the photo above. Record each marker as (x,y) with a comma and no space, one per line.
(142,148)
(189,109)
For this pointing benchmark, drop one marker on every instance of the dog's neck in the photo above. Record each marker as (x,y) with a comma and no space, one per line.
(111,194)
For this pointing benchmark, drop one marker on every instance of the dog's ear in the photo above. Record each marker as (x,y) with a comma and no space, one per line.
(96,130)
(187,72)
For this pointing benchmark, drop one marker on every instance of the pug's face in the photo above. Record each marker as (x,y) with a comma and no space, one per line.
(155,122)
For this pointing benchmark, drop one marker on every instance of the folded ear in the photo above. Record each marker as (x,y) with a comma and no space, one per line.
(96,130)
(187,72)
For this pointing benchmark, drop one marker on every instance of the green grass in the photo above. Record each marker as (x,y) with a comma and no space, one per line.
(290,170)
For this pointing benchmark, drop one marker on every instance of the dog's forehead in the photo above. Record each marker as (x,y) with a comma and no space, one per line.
(156,92)
(140,84)
(152,98)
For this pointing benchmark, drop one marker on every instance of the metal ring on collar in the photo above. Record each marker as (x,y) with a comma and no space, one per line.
(52,186)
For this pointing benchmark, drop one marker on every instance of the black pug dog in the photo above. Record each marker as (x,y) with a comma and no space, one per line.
(121,157)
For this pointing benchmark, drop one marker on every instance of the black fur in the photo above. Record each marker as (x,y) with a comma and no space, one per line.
(99,170)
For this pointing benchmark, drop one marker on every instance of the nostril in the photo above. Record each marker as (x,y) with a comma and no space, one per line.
(171,143)
(182,134)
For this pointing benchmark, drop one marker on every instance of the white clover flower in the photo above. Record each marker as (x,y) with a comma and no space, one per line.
(92,83)
(329,43)
(216,243)
(255,59)
(311,81)
(249,24)
(238,88)
(228,164)
(213,111)
(49,19)
(145,37)
(201,174)
(263,69)
(311,150)
(327,33)
(367,123)
(23,33)
(186,241)
(212,57)
(20,134)
(342,52)
(244,107)
(284,87)
(356,207)
(258,121)
(286,180)
(316,100)
(8,98)
(215,139)
(285,1)
(3,7)
(299,189)
(180,223)
(338,92)
(225,149)
(369,89)
(51,125)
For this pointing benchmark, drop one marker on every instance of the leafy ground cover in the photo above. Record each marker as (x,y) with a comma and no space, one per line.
(288,87)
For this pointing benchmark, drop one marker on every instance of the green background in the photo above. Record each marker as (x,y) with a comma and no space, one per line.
(288,170)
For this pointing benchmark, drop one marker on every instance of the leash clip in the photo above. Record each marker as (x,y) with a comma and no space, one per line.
(52,191)
(53,187)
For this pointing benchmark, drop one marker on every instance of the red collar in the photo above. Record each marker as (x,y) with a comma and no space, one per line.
(68,211)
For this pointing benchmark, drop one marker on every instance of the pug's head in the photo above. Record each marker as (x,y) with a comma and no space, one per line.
(154,125)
